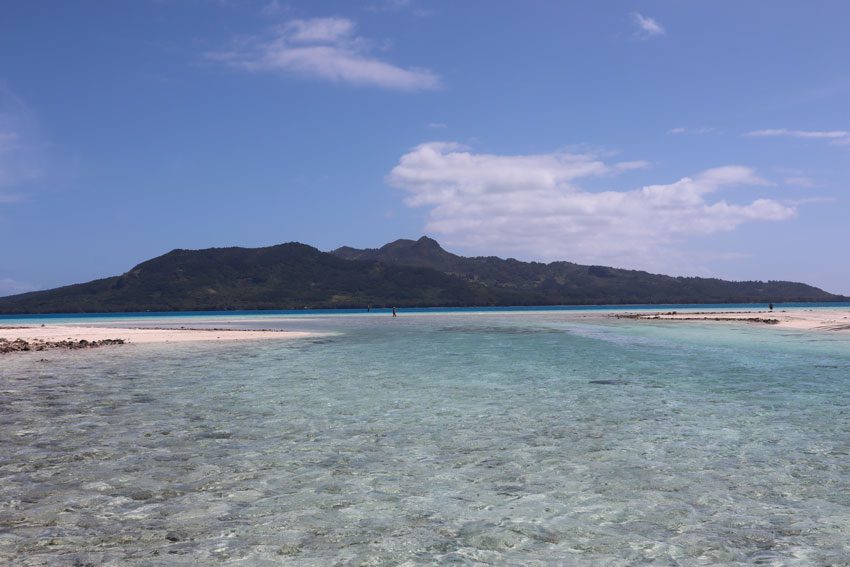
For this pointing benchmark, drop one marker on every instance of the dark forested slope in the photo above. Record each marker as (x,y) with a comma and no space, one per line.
(403,273)
(568,283)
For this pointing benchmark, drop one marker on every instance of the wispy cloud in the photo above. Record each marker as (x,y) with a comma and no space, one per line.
(20,153)
(438,125)
(323,48)
(837,137)
(532,205)
(695,131)
(409,6)
(647,27)
(797,177)
(801,181)
(389,5)
(274,8)
(8,286)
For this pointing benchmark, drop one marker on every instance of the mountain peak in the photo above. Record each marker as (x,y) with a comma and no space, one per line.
(428,241)
(425,247)
(405,273)
(425,244)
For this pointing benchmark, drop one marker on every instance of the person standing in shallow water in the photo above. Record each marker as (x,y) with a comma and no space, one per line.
(394,313)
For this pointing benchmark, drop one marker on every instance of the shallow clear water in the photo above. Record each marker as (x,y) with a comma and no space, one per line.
(544,438)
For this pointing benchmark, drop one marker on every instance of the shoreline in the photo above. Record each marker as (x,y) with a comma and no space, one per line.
(23,338)
(7,319)
(17,337)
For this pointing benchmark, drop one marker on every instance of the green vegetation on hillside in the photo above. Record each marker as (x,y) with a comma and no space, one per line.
(535,283)
(404,273)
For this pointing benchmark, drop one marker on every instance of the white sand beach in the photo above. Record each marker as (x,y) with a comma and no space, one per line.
(56,333)
(813,319)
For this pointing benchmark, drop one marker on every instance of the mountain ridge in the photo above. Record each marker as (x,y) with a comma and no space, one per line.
(403,273)
(499,272)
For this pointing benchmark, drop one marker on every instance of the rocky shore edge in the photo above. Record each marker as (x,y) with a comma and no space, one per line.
(704,316)
(21,345)
(73,337)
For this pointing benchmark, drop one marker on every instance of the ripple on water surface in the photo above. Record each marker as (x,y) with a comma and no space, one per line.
(523,440)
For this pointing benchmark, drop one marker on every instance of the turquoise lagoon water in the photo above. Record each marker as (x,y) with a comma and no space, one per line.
(525,438)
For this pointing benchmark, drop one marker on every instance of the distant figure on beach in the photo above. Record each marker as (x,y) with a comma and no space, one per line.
(770,306)
(394,313)
(368,309)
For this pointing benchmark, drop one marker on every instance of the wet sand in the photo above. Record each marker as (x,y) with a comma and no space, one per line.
(69,336)
(819,319)
(42,337)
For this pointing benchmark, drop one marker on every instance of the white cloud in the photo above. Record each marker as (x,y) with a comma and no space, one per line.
(837,137)
(324,48)
(531,205)
(319,30)
(648,27)
(831,134)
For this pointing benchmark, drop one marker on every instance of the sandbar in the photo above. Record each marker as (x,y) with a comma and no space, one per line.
(60,335)
(814,319)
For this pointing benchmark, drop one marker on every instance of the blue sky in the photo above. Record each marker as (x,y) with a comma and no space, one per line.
(694,138)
